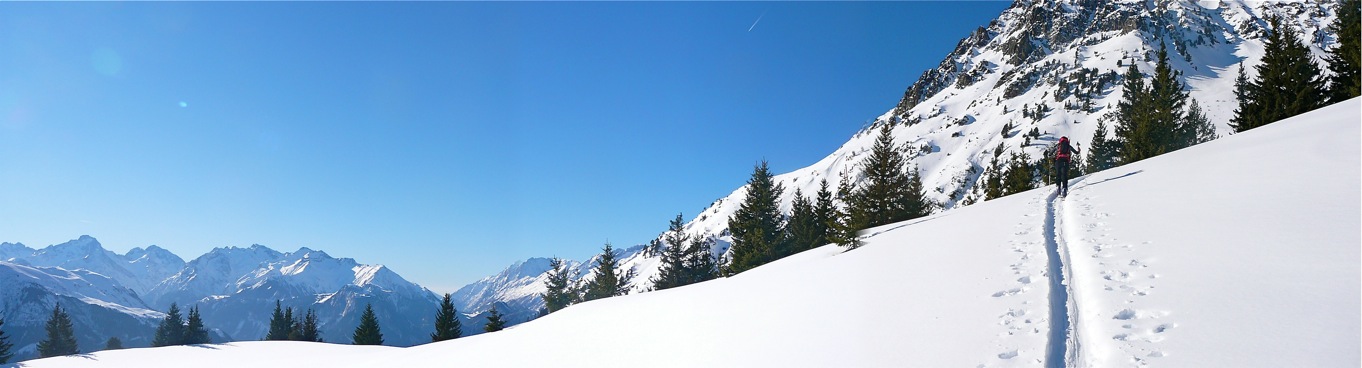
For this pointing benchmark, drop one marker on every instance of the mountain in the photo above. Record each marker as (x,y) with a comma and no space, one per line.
(1061,57)
(99,307)
(236,288)
(1170,261)
(109,294)
(138,269)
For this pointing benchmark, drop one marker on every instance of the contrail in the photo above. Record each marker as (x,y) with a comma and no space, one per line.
(754,24)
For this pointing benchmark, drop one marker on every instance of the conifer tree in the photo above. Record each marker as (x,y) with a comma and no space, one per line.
(825,211)
(1243,91)
(560,293)
(1196,128)
(699,262)
(309,330)
(1343,60)
(113,343)
(194,331)
(1132,119)
(757,225)
(803,228)
(843,228)
(1018,177)
(1102,153)
(280,325)
(447,325)
(171,331)
(5,345)
(295,327)
(885,196)
(672,272)
(494,321)
(368,332)
(61,336)
(1167,105)
(1288,83)
(608,281)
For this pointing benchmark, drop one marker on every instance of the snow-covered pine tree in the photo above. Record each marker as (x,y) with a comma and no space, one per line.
(1346,79)
(1196,128)
(171,330)
(309,331)
(113,343)
(608,280)
(1242,92)
(447,325)
(560,293)
(194,331)
(280,325)
(5,345)
(61,336)
(494,321)
(1168,106)
(825,211)
(757,225)
(1288,83)
(672,272)
(368,332)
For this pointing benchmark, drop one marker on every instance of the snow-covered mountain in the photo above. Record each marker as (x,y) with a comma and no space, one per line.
(100,307)
(235,288)
(139,269)
(1182,260)
(1065,55)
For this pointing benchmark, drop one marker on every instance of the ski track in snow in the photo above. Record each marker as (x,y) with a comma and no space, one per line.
(1059,345)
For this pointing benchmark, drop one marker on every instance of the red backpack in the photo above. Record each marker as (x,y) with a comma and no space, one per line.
(1062,152)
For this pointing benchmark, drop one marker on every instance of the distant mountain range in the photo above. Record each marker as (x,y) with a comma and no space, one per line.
(113,295)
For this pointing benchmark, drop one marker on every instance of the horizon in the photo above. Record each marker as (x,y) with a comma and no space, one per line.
(445,141)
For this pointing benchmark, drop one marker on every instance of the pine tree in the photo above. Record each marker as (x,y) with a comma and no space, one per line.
(672,272)
(280,325)
(560,293)
(842,227)
(1288,84)
(699,261)
(171,331)
(886,194)
(825,212)
(1243,91)
(194,331)
(309,331)
(802,230)
(1196,128)
(494,321)
(61,336)
(1168,104)
(757,225)
(295,327)
(447,326)
(368,332)
(113,343)
(1019,176)
(608,281)
(5,345)
(1132,119)
(1102,153)
(1343,60)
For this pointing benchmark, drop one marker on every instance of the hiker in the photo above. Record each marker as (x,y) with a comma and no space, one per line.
(1062,152)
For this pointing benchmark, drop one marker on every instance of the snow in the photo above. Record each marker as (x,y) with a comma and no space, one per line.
(1240,252)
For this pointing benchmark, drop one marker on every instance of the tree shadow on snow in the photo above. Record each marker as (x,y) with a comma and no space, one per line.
(1108,179)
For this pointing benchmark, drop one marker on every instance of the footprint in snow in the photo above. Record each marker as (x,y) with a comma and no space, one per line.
(1007,354)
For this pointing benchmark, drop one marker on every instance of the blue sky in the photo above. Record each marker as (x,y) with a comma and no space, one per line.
(445,140)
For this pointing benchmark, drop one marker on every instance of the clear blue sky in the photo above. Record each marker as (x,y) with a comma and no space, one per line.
(445,140)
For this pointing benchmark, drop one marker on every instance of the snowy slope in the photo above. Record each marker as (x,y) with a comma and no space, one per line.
(99,307)
(1064,54)
(1195,258)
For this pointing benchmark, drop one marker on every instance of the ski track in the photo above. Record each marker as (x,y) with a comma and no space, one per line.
(1112,322)
(1058,348)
